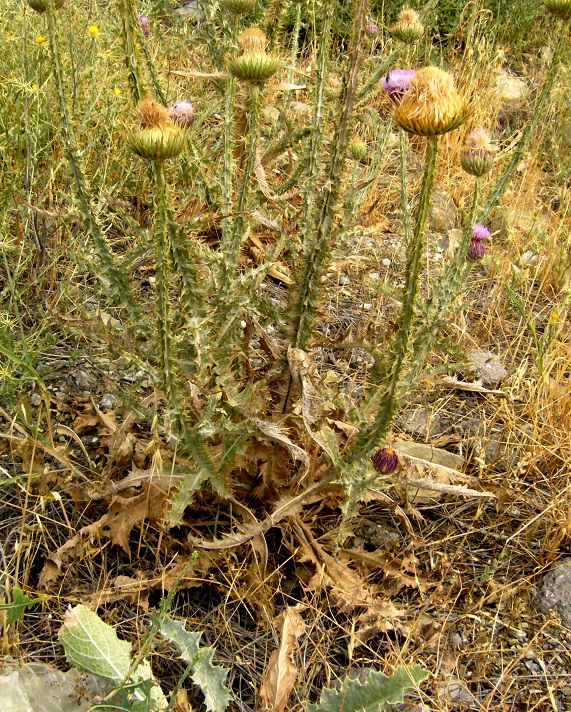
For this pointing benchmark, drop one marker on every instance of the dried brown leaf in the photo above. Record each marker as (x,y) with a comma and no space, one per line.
(281,673)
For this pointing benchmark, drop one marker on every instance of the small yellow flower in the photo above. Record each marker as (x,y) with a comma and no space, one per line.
(93,30)
(34,86)
(40,40)
(117,91)
(554,317)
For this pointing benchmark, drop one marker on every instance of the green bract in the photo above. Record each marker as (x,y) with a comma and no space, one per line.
(42,5)
(561,8)
(254,67)
(158,142)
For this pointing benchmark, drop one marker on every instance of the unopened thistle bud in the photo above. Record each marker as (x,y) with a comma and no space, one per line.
(476,251)
(42,5)
(254,67)
(253,40)
(397,82)
(155,136)
(432,105)
(183,113)
(409,29)
(239,7)
(478,154)
(385,460)
(560,8)
(358,150)
(144,20)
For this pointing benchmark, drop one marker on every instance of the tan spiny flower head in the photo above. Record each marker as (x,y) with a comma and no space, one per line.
(478,154)
(253,40)
(151,114)
(409,28)
(432,105)
(154,136)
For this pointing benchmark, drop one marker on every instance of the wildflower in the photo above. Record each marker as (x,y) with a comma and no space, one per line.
(480,232)
(397,82)
(183,113)
(560,8)
(476,250)
(358,150)
(117,91)
(554,317)
(372,29)
(93,30)
(385,460)
(34,86)
(154,135)
(478,153)
(40,40)
(239,7)
(409,29)
(144,20)
(432,105)
(253,40)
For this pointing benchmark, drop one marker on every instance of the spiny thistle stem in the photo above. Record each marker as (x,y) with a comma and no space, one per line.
(500,187)
(228,163)
(370,436)
(117,279)
(129,23)
(162,282)
(231,249)
(293,55)
(155,79)
(305,306)
(377,75)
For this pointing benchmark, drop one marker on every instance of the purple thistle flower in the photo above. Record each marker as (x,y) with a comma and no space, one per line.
(480,232)
(385,460)
(183,113)
(144,20)
(476,250)
(372,29)
(397,82)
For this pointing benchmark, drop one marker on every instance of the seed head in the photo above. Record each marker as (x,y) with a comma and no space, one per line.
(397,82)
(42,5)
(239,7)
(253,40)
(385,460)
(559,8)
(409,29)
(480,232)
(478,154)
(358,150)
(476,251)
(183,113)
(432,105)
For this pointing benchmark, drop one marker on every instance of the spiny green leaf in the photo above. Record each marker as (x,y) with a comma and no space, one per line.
(92,645)
(186,642)
(210,678)
(373,695)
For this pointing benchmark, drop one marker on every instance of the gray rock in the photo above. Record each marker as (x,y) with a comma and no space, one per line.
(500,455)
(511,220)
(107,401)
(189,9)
(486,367)
(82,380)
(436,455)
(376,535)
(420,423)
(35,399)
(555,591)
(442,213)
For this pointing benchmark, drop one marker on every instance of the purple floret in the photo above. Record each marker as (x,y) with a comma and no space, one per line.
(480,232)
(183,113)
(397,82)
(372,29)
(144,20)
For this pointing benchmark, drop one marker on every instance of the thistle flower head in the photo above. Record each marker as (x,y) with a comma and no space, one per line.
(42,5)
(476,251)
(372,29)
(480,232)
(154,135)
(559,8)
(385,460)
(478,154)
(409,29)
(238,7)
(144,21)
(432,105)
(183,113)
(253,40)
(397,82)
(254,67)
(358,149)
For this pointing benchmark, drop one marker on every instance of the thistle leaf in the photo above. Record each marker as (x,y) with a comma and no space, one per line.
(92,645)
(186,642)
(210,678)
(373,695)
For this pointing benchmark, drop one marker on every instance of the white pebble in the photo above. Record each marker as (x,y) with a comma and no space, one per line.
(386,262)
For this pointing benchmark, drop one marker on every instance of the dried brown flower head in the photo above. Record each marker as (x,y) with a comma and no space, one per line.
(253,40)
(151,114)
